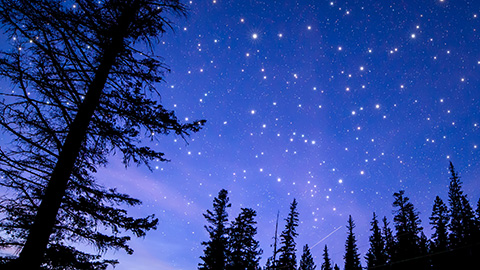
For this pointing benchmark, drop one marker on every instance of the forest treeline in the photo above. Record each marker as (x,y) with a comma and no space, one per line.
(400,244)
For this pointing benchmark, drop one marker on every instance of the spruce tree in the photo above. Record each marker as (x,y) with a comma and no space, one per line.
(306,261)
(83,86)
(477,213)
(352,257)
(327,263)
(376,255)
(244,252)
(269,265)
(439,221)
(336,267)
(288,259)
(390,243)
(408,229)
(463,235)
(461,214)
(216,252)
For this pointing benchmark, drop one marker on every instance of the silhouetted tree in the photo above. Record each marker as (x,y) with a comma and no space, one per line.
(408,229)
(463,235)
(336,267)
(439,221)
(83,88)
(461,214)
(376,255)
(352,257)
(390,244)
(288,259)
(327,262)
(269,264)
(306,261)
(272,261)
(216,252)
(244,251)
(477,213)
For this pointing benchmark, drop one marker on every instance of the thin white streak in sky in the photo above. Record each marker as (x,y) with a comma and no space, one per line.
(321,240)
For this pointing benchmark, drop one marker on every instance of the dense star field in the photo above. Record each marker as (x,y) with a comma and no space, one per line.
(337,104)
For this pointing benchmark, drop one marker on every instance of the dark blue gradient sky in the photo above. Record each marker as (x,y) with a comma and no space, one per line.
(337,104)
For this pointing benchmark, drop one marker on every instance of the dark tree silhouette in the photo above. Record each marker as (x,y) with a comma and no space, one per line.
(272,261)
(216,249)
(244,251)
(408,229)
(352,257)
(376,256)
(82,89)
(463,231)
(287,259)
(439,221)
(269,265)
(461,213)
(390,244)
(477,213)
(306,261)
(336,267)
(327,262)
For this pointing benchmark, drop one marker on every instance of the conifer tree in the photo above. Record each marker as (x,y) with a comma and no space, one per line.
(288,259)
(269,264)
(306,261)
(376,255)
(439,221)
(463,235)
(461,214)
(83,87)
(424,260)
(352,257)
(390,244)
(336,267)
(327,263)
(216,252)
(408,229)
(477,213)
(244,252)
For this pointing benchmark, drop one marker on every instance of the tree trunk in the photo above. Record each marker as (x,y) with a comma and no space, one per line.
(32,254)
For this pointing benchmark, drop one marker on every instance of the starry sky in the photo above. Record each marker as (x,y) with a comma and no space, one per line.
(338,104)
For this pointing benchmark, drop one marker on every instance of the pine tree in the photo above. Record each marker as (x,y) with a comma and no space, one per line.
(83,87)
(336,267)
(288,259)
(389,239)
(477,213)
(269,265)
(461,214)
(439,221)
(327,263)
(352,258)
(463,237)
(244,252)
(306,261)
(376,255)
(215,253)
(408,229)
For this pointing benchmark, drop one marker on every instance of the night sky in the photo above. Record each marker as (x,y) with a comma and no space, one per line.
(337,104)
